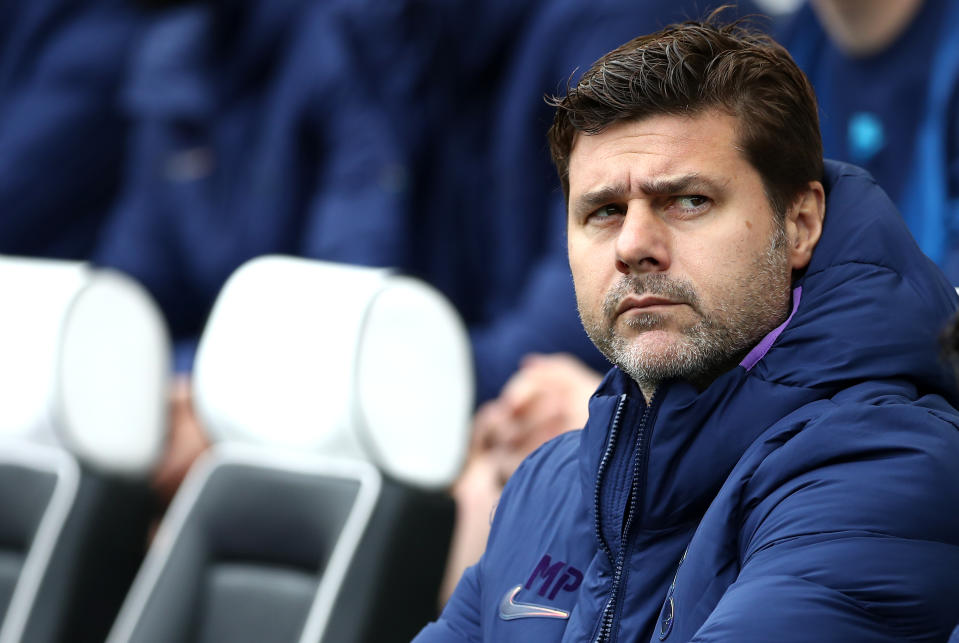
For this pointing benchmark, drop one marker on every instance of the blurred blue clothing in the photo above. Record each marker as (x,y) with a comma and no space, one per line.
(895,113)
(62,135)
(249,139)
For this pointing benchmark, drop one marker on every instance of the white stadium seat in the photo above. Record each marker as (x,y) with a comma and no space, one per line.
(83,387)
(338,400)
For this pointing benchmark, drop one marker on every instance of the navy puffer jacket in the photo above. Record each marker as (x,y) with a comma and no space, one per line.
(810,494)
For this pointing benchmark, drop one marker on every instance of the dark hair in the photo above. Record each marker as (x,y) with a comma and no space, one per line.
(695,66)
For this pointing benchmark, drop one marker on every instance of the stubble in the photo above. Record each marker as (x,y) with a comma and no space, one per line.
(716,342)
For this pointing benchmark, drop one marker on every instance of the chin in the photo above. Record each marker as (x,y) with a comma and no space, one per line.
(655,340)
(655,346)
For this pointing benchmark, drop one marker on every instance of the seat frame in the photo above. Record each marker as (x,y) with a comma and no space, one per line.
(225,454)
(66,470)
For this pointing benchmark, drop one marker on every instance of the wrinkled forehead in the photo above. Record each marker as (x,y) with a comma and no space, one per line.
(656,149)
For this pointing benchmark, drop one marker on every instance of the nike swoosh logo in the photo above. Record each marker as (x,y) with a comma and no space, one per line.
(510,609)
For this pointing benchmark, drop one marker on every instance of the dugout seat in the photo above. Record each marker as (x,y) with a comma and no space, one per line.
(83,375)
(338,400)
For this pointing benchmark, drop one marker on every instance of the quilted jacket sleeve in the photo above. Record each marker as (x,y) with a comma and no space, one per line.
(849,533)
(460,620)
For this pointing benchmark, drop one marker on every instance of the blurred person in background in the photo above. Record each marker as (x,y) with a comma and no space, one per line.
(477,180)
(887,76)
(62,132)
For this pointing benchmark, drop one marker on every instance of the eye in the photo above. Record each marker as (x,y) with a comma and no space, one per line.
(606,212)
(688,204)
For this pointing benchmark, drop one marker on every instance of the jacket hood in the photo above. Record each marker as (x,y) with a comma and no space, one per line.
(873,306)
(868,312)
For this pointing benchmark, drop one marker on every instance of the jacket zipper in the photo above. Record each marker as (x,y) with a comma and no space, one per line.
(609,611)
(610,445)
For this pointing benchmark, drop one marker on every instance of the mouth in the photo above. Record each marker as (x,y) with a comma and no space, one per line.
(644,303)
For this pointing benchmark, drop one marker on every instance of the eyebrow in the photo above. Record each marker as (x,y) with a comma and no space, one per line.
(684,184)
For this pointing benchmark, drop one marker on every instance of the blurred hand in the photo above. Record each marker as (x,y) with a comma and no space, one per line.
(185,442)
(547,396)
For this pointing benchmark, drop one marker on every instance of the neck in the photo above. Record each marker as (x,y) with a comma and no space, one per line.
(865,27)
(700,380)
(648,389)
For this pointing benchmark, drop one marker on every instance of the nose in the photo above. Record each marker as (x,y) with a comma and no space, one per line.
(643,242)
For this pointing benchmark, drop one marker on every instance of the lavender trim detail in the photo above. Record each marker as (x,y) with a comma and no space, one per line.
(759,350)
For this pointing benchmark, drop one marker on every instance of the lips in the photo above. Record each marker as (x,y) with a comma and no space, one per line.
(640,302)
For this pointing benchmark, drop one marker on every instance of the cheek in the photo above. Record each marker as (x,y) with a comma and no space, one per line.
(583,285)
(713,266)
(581,267)
(726,247)
(590,294)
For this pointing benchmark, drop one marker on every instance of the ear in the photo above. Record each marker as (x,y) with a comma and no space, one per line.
(804,224)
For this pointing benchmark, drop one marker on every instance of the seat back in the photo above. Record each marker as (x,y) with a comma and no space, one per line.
(338,399)
(38,489)
(84,375)
(259,543)
(86,363)
(339,360)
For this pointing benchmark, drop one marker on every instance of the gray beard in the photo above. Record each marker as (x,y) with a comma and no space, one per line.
(714,344)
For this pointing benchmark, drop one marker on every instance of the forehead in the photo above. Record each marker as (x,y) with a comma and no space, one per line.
(636,153)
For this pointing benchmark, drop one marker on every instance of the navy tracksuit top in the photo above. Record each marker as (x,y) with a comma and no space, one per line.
(808,495)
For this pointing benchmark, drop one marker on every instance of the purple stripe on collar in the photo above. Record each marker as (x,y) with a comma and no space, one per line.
(759,350)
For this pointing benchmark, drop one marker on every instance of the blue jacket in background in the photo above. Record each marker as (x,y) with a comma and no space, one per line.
(250,138)
(895,113)
(62,132)
(811,497)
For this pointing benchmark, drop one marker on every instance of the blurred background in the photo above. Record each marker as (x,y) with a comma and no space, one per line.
(173,141)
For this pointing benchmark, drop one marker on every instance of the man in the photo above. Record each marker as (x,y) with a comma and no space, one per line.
(773,458)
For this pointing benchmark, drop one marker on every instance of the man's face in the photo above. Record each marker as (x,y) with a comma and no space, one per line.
(679,263)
